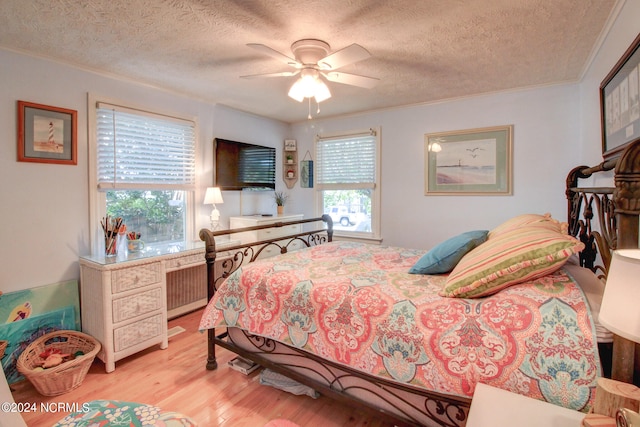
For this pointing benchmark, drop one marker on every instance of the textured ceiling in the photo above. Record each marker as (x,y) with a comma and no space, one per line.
(422,50)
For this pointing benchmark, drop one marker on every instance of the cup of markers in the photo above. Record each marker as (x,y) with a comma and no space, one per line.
(134,244)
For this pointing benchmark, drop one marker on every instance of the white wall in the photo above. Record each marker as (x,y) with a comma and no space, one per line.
(545,136)
(44,210)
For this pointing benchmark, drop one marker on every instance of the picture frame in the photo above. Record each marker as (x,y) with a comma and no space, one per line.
(469,162)
(620,103)
(290,145)
(47,134)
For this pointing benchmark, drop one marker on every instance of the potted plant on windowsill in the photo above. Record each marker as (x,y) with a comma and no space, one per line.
(280,198)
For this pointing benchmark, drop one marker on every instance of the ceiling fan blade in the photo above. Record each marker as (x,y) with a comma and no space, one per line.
(281,74)
(352,79)
(275,54)
(342,57)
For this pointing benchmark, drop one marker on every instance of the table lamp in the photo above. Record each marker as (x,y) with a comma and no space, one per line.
(212,196)
(619,313)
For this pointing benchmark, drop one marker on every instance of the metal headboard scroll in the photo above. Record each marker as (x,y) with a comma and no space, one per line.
(591,217)
(617,209)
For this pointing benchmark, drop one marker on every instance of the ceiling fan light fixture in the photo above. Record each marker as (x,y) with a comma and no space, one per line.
(316,64)
(322,91)
(297,90)
(309,86)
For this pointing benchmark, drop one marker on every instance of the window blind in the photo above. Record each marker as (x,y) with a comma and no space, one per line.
(141,150)
(348,160)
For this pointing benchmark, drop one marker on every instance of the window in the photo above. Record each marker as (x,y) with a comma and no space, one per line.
(144,172)
(347,176)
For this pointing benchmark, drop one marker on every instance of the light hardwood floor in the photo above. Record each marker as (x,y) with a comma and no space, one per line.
(176,379)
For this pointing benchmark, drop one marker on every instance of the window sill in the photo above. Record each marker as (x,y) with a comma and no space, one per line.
(350,237)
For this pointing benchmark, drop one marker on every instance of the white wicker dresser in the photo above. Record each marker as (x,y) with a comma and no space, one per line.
(124,299)
(124,306)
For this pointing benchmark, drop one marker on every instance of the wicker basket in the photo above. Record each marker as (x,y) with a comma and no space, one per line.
(66,376)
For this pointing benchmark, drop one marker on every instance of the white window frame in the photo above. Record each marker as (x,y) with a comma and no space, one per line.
(375,234)
(98,199)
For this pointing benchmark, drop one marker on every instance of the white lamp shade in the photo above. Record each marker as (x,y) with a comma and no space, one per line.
(619,311)
(322,91)
(213,196)
(297,91)
(309,85)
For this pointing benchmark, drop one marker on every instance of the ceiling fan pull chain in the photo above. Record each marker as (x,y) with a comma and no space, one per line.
(309,116)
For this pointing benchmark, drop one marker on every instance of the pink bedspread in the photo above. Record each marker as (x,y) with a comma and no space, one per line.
(356,304)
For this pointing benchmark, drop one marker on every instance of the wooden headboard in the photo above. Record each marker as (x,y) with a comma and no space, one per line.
(606,219)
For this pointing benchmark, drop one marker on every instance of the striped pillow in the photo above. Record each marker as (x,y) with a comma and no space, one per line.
(510,258)
(544,221)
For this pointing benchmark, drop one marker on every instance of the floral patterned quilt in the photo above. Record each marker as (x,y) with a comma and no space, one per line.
(357,305)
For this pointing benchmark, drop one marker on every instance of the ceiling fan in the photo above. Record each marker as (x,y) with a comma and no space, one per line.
(313,60)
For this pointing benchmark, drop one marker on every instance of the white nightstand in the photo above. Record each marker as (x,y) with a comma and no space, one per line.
(493,407)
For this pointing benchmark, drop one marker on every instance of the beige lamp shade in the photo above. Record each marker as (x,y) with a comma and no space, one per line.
(213,196)
(620,311)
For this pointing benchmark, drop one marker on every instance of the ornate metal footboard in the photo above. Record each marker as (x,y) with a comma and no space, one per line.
(401,404)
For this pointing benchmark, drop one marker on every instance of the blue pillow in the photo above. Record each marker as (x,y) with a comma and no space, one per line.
(446,255)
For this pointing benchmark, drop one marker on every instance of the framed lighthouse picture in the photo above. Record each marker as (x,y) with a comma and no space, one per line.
(47,134)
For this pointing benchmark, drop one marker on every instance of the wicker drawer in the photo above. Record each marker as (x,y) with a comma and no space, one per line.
(176,263)
(136,277)
(135,333)
(135,305)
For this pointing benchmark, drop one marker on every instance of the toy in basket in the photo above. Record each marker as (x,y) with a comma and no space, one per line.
(67,356)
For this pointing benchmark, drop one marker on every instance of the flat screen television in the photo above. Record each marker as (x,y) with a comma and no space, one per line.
(239,165)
